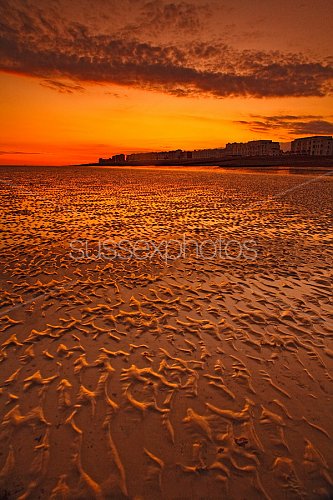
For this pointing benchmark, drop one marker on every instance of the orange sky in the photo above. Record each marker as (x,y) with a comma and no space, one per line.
(75,86)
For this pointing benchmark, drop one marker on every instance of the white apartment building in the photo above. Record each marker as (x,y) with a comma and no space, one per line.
(161,155)
(208,153)
(253,148)
(320,145)
(142,157)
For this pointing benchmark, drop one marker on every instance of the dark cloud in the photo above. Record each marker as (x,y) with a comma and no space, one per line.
(61,87)
(40,43)
(294,125)
(314,127)
(18,153)
(116,94)
(175,16)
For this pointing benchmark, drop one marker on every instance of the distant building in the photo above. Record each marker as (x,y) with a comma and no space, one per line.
(114,159)
(208,153)
(142,157)
(187,155)
(253,148)
(177,155)
(170,155)
(118,158)
(320,145)
(104,161)
(160,156)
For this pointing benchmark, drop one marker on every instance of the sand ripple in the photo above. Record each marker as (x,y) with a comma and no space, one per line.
(144,379)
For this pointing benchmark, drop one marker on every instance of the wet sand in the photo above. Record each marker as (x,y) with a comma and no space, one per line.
(145,379)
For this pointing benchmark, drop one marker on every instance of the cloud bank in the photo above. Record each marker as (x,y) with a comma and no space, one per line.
(294,125)
(37,41)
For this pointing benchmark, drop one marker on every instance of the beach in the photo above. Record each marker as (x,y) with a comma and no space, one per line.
(166,333)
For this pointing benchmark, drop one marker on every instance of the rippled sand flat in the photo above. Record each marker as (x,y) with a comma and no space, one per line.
(145,379)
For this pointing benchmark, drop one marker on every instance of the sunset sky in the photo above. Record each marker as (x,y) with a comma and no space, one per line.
(83,79)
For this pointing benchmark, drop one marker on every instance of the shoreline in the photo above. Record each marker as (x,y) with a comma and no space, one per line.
(253,162)
(249,163)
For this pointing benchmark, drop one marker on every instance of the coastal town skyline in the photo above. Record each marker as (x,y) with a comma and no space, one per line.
(81,80)
(315,146)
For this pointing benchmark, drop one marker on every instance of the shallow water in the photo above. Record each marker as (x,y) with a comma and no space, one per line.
(183,372)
